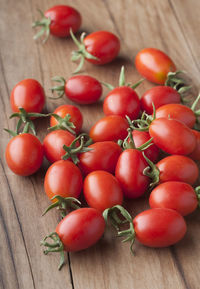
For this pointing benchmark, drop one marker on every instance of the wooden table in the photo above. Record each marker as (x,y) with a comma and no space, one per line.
(171,25)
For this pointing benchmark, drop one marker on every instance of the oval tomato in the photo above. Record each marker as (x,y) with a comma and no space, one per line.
(195,155)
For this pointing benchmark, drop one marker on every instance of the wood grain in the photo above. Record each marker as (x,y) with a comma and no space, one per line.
(172,26)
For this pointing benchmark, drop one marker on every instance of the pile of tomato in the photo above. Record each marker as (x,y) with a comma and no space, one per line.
(148,145)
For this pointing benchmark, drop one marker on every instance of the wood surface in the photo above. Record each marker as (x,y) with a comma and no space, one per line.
(170,25)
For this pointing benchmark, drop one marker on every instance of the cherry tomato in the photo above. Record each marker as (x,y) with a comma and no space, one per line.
(24,154)
(195,155)
(102,190)
(159,95)
(176,196)
(103,156)
(28,94)
(159,227)
(75,116)
(63,178)
(122,101)
(154,65)
(172,136)
(53,144)
(109,128)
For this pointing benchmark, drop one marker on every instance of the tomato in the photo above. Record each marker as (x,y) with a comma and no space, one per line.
(159,227)
(102,190)
(177,196)
(103,156)
(63,178)
(195,155)
(159,95)
(24,154)
(172,136)
(28,94)
(154,65)
(53,144)
(109,128)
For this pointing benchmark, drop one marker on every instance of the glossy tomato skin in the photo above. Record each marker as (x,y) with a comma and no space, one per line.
(178,168)
(122,101)
(159,227)
(102,190)
(177,111)
(29,95)
(177,196)
(24,154)
(62,19)
(154,65)
(102,44)
(109,128)
(103,156)
(75,116)
(129,173)
(195,155)
(172,136)
(63,178)
(81,229)
(83,89)
(159,95)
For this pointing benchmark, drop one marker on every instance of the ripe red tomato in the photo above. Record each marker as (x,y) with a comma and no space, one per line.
(172,136)
(28,94)
(159,227)
(154,65)
(109,128)
(102,190)
(159,95)
(75,116)
(195,155)
(24,154)
(103,156)
(63,178)
(176,196)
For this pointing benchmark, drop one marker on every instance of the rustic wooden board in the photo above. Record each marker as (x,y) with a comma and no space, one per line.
(172,26)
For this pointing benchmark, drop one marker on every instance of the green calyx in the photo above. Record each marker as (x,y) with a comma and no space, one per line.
(59,89)
(44,24)
(63,123)
(152,172)
(196,112)
(197,191)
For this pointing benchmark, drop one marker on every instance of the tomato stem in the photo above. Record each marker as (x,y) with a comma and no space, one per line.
(151,171)
(197,191)
(44,23)
(63,123)
(59,89)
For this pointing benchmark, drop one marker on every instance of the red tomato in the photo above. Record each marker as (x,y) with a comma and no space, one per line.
(172,136)
(178,168)
(159,95)
(154,65)
(75,116)
(103,156)
(122,101)
(109,128)
(53,144)
(129,173)
(28,94)
(176,196)
(63,178)
(102,190)
(159,227)
(24,154)
(83,89)
(195,155)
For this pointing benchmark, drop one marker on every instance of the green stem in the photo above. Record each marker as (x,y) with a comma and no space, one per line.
(151,171)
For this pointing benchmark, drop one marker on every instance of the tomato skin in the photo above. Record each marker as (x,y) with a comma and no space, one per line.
(154,65)
(76,116)
(172,136)
(159,227)
(195,155)
(102,44)
(122,101)
(177,196)
(28,94)
(129,173)
(109,128)
(178,168)
(24,154)
(63,178)
(81,229)
(62,19)
(103,156)
(102,190)
(83,89)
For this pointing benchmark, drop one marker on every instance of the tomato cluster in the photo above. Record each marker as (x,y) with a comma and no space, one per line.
(141,145)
